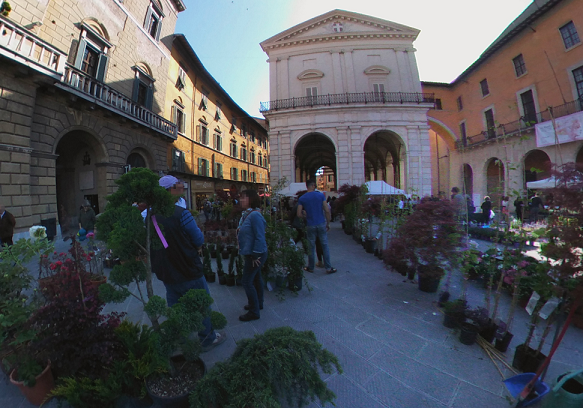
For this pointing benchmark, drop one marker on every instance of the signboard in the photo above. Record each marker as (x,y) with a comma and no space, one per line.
(569,129)
(203,185)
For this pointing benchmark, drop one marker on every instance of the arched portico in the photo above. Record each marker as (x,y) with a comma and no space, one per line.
(383,153)
(495,182)
(537,166)
(313,151)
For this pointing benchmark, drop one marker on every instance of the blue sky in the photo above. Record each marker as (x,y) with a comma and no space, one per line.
(226,34)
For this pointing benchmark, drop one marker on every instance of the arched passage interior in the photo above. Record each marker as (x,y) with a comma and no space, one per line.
(312,152)
(495,180)
(79,175)
(468,179)
(382,158)
(441,143)
(537,166)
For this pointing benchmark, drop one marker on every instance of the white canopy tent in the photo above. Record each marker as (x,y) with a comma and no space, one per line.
(547,183)
(292,189)
(379,187)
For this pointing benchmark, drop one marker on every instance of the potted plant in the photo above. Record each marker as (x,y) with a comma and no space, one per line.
(121,225)
(230,268)
(454,313)
(207,266)
(295,358)
(240,262)
(475,319)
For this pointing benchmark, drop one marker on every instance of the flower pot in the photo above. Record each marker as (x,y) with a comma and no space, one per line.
(97,281)
(526,359)
(489,332)
(468,334)
(428,284)
(502,345)
(369,245)
(177,401)
(295,285)
(577,321)
(451,321)
(238,281)
(39,392)
(222,279)
(225,254)
(211,278)
(280,281)
(230,280)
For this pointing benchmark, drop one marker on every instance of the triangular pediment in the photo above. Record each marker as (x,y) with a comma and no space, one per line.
(338,24)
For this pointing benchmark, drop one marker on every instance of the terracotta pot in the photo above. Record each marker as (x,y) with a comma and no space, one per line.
(44,384)
(97,281)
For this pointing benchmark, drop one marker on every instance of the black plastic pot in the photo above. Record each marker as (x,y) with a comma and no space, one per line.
(369,245)
(468,334)
(225,254)
(527,360)
(443,297)
(451,321)
(210,278)
(180,401)
(280,281)
(230,280)
(222,279)
(428,284)
(489,332)
(502,345)
(295,285)
(238,281)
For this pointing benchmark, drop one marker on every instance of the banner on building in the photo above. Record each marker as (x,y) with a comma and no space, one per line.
(569,128)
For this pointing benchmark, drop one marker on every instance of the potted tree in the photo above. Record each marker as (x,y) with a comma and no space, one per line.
(207,266)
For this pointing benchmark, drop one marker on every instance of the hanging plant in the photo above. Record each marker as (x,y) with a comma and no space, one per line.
(5,8)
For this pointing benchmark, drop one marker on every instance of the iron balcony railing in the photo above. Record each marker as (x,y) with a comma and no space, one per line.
(521,125)
(87,87)
(19,44)
(347,99)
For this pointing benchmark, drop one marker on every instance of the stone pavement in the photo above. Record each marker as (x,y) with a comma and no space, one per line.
(387,335)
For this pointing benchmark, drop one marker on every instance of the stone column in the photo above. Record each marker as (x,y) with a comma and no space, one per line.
(356,155)
(344,165)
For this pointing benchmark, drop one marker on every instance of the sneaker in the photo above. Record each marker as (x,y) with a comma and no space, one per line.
(219,339)
(247,317)
(247,307)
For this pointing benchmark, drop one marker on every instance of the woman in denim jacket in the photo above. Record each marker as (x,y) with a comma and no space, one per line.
(252,245)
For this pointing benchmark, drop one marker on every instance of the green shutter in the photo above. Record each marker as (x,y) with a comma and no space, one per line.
(102,67)
(80,53)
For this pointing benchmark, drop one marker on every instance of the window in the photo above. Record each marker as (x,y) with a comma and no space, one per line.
(330,178)
(253,176)
(202,135)
(378,88)
(252,136)
(92,52)
(463,134)
(204,101)
(243,175)
(578,77)
(519,65)
(460,104)
(438,105)
(234,173)
(203,167)
(260,161)
(528,108)
(218,113)
(484,87)
(143,92)
(233,151)
(490,126)
(153,21)
(569,34)
(178,117)
(233,125)
(218,142)
(252,157)
(218,170)
(243,153)
(181,81)
(312,91)
(178,161)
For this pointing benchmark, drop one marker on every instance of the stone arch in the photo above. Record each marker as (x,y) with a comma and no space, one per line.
(384,151)
(98,27)
(537,166)
(95,141)
(495,182)
(467,179)
(442,142)
(146,156)
(145,68)
(313,151)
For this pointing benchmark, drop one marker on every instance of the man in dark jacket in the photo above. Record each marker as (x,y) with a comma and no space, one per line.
(7,224)
(179,266)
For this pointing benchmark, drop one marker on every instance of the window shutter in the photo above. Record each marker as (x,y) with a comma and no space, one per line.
(199,167)
(102,67)
(183,122)
(148,18)
(198,132)
(136,89)
(159,29)
(308,91)
(174,115)
(80,53)
(149,98)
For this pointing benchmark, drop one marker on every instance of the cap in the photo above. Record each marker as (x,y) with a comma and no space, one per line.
(168,181)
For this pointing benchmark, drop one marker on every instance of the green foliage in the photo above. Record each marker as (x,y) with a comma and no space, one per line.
(83,392)
(218,320)
(280,364)
(206,262)
(220,269)
(156,306)
(232,259)
(5,8)
(29,368)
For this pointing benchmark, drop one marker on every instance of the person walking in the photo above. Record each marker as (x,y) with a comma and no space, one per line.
(535,207)
(252,245)
(7,224)
(87,218)
(179,265)
(318,224)
(486,210)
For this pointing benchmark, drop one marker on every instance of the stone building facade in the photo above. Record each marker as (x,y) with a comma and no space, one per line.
(345,95)
(487,120)
(219,146)
(82,91)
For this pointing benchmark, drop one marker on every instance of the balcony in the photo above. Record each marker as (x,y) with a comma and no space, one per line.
(79,83)
(20,45)
(521,125)
(363,98)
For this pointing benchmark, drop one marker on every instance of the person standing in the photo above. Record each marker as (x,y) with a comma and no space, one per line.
(179,265)
(536,205)
(87,218)
(318,224)
(486,210)
(252,245)
(207,208)
(519,207)
(459,203)
(7,224)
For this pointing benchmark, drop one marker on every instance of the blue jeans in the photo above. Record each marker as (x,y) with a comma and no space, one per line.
(175,291)
(319,231)
(253,282)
